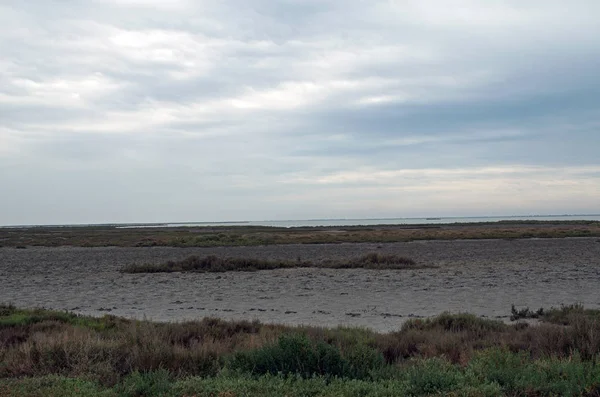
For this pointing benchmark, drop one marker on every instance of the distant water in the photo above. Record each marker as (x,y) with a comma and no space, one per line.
(382,221)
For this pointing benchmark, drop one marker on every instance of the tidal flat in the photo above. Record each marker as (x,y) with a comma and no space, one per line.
(483,277)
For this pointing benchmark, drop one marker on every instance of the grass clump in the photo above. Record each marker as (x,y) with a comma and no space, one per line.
(298,355)
(373,260)
(564,315)
(11,317)
(147,384)
(432,376)
(525,313)
(455,323)
(213,263)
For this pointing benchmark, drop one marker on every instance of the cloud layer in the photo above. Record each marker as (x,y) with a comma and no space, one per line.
(148,110)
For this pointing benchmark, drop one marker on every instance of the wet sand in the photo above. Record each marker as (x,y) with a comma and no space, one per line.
(483,277)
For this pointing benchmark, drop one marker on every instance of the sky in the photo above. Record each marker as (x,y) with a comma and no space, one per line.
(198,110)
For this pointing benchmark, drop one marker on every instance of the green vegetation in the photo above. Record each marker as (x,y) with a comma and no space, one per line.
(211,236)
(519,314)
(565,315)
(490,373)
(213,263)
(297,355)
(48,353)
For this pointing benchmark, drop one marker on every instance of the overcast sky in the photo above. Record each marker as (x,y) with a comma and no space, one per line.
(189,110)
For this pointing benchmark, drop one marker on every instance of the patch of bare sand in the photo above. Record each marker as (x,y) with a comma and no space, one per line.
(483,277)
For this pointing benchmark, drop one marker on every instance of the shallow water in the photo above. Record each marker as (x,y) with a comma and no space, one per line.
(481,277)
(377,221)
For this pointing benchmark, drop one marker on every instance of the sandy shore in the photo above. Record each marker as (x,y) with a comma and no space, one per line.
(480,276)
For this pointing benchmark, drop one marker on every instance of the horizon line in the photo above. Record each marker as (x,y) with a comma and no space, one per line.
(290,220)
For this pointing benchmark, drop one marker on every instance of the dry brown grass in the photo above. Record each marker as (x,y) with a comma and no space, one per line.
(213,263)
(51,347)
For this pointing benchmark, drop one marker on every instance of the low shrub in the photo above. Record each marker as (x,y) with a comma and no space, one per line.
(455,323)
(146,384)
(516,373)
(518,314)
(297,355)
(213,263)
(432,376)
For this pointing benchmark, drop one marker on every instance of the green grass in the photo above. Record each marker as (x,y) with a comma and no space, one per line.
(213,263)
(299,356)
(490,373)
(53,386)
(50,353)
(10,316)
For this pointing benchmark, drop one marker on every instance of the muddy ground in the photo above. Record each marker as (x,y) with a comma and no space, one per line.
(483,277)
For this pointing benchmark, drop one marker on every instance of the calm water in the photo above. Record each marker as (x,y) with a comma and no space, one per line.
(375,221)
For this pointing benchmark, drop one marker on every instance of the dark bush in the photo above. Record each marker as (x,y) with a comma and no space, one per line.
(297,355)
(213,263)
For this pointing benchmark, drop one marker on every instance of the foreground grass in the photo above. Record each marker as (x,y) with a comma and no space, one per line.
(213,263)
(99,236)
(48,353)
(490,373)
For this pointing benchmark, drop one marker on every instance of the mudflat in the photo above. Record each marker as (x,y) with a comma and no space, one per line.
(483,277)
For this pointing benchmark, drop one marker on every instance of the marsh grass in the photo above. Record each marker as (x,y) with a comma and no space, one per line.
(564,315)
(570,314)
(213,263)
(209,236)
(108,350)
(525,313)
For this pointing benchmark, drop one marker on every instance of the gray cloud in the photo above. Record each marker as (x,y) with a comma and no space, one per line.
(144,110)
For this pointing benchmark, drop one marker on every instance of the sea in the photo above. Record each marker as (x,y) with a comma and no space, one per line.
(373,221)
